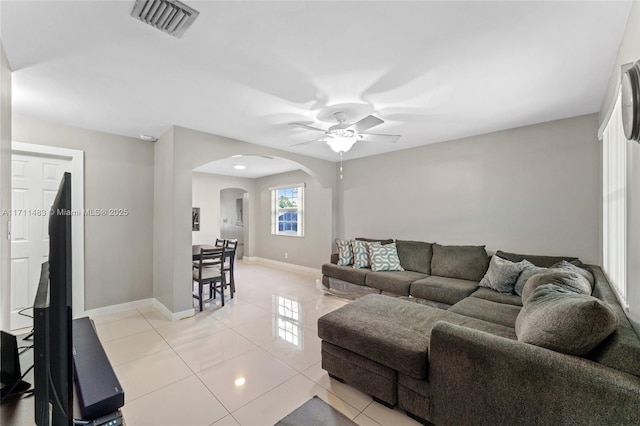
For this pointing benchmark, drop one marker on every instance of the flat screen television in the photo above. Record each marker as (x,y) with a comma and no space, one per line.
(53,359)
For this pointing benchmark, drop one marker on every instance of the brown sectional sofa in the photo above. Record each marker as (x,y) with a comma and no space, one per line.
(454,357)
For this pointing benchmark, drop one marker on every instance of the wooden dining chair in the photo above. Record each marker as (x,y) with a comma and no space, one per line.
(208,273)
(219,243)
(229,262)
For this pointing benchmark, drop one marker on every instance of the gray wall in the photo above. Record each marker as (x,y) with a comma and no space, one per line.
(206,195)
(163,220)
(314,248)
(533,190)
(5,190)
(118,174)
(628,52)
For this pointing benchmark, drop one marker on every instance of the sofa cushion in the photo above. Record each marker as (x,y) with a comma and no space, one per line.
(528,271)
(486,310)
(361,257)
(345,253)
(415,255)
(567,266)
(384,257)
(565,279)
(621,350)
(345,273)
(442,289)
(502,275)
(463,262)
(544,261)
(494,296)
(396,282)
(392,331)
(559,319)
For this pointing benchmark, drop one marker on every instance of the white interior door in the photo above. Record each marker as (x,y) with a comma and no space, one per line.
(34,184)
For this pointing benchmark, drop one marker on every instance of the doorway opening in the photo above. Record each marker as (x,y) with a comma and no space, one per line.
(233,205)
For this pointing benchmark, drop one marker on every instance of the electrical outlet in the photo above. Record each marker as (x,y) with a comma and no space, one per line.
(286,255)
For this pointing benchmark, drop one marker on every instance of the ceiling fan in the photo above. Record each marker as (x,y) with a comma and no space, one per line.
(341,137)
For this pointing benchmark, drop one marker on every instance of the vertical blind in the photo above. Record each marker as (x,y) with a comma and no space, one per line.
(614,203)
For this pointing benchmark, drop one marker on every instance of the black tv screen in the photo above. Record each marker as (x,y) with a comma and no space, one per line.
(53,320)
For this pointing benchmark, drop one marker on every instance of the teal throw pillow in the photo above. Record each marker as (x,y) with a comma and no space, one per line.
(360,254)
(384,257)
(345,254)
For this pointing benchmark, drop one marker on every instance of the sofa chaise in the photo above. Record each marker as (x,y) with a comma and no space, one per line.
(451,352)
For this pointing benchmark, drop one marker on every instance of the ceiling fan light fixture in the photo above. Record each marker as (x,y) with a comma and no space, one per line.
(341,143)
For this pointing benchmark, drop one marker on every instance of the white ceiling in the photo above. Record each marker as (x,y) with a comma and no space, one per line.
(434,71)
(255,166)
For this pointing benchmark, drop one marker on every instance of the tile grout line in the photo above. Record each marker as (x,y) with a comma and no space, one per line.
(193,373)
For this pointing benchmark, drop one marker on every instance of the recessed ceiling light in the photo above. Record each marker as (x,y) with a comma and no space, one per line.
(239,166)
(240,381)
(148,138)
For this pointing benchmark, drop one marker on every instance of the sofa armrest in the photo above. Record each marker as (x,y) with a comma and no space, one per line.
(334,258)
(477,376)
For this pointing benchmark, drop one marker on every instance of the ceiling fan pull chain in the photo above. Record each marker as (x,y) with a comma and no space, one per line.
(340,165)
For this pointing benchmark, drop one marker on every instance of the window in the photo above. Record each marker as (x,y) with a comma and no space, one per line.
(287,210)
(614,203)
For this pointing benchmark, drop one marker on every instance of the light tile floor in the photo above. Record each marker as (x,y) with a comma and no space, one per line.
(250,362)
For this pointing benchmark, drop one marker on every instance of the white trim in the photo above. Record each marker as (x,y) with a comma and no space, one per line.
(77,204)
(112,309)
(299,210)
(282,265)
(173,316)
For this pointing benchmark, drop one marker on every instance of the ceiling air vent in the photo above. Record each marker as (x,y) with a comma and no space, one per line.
(169,16)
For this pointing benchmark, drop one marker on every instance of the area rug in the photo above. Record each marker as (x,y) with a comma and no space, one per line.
(315,412)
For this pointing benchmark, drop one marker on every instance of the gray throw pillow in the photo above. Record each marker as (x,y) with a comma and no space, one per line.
(543,261)
(561,320)
(528,271)
(502,275)
(568,280)
(570,266)
(463,262)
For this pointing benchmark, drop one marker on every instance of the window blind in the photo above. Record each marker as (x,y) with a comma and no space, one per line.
(614,203)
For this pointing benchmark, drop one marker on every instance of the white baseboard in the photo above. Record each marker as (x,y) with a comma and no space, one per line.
(282,265)
(118,308)
(172,316)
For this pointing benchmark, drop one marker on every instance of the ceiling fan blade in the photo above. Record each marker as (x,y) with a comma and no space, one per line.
(366,123)
(305,126)
(308,142)
(371,137)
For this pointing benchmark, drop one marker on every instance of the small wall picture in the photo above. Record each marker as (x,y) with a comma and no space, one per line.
(195,218)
